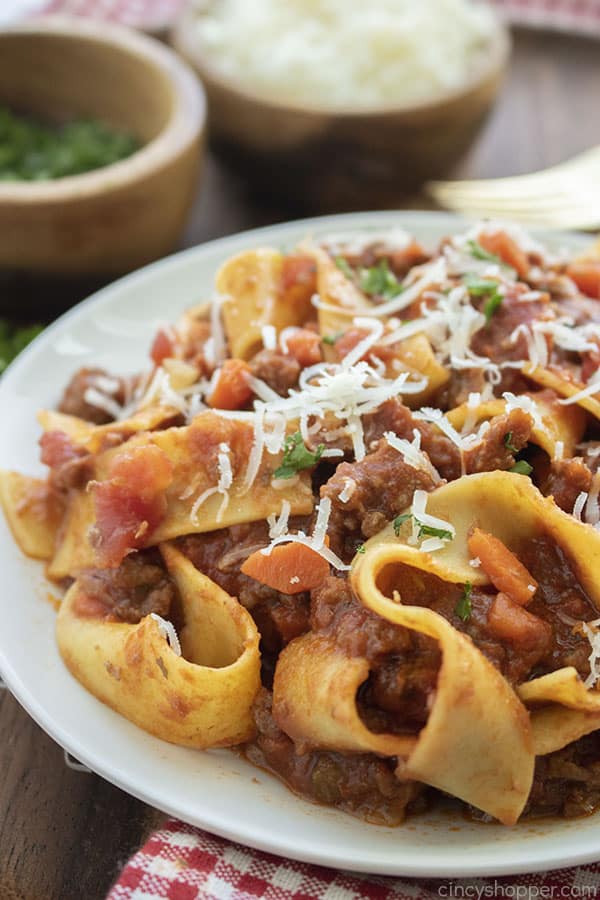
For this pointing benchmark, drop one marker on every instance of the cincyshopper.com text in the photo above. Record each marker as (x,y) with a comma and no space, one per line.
(517,891)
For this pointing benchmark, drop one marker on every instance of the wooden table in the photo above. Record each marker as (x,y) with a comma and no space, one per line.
(64,835)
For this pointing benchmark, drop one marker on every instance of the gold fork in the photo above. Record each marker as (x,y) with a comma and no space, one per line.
(564,196)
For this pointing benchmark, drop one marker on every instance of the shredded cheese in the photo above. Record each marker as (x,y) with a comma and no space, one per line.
(168,632)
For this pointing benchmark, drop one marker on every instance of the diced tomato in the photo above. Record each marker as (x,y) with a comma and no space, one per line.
(502,245)
(163,347)
(144,470)
(124,520)
(289,568)
(505,571)
(353,336)
(298,284)
(58,449)
(510,622)
(231,390)
(586,275)
(401,261)
(305,346)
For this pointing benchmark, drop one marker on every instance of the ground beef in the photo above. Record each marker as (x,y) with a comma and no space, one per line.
(219,554)
(276,369)
(567,782)
(494,339)
(566,479)
(492,453)
(73,401)
(138,587)
(383,486)
(361,784)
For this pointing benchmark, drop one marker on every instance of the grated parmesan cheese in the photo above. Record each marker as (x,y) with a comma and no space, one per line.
(579,505)
(327,54)
(168,632)
(269,337)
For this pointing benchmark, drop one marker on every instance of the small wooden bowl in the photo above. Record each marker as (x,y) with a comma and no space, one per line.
(344,159)
(114,219)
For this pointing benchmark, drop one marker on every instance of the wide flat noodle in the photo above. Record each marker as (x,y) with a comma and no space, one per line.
(476,744)
(33,513)
(192,452)
(94,438)
(564,387)
(511,508)
(415,355)
(314,699)
(200,699)
(250,284)
(559,424)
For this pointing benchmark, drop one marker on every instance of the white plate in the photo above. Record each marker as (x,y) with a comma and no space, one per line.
(215,790)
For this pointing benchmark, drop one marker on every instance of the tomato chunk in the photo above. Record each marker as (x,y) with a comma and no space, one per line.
(231,390)
(289,568)
(305,347)
(505,571)
(586,275)
(58,449)
(144,470)
(501,244)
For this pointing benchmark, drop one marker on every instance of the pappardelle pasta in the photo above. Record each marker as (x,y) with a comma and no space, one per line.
(348,521)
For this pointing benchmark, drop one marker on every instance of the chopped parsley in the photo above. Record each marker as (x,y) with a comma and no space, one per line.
(521,467)
(491,305)
(13,340)
(380,281)
(399,522)
(360,548)
(331,338)
(31,150)
(424,530)
(477,251)
(344,266)
(296,457)
(508,442)
(463,607)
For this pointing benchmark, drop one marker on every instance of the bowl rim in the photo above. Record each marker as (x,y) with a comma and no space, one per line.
(185,125)
(489,64)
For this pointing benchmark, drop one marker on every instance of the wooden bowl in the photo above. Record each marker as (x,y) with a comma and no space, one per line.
(344,159)
(114,219)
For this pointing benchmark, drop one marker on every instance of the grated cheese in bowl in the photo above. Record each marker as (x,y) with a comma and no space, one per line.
(335,55)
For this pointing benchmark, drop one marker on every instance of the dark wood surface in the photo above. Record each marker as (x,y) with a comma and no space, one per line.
(64,835)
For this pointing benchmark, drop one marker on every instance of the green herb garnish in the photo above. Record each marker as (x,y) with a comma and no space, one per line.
(380,281)
(521,467)
(508,442)
(479,287)
(360,548)
(399,521)
(13,340)
(296,457)
(463,607)
(491,305)
(331,338)
(31,150)
(344,266)
(477,251)
(424,530)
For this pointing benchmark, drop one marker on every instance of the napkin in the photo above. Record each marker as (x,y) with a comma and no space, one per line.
(579,16)
(180,862)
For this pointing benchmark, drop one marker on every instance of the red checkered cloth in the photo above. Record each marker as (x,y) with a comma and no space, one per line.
(582,16)
(180,862)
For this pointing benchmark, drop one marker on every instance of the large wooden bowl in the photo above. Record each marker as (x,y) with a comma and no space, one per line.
(343,159)
(117,218)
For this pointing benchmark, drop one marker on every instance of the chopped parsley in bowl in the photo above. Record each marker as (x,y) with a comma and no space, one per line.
(32,150)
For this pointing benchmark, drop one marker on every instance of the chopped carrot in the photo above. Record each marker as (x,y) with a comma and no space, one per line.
(510,622)
(289,568)
(501,244)
(505,571)
(305,346)
(162,347)
(586,275)
(231,390)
